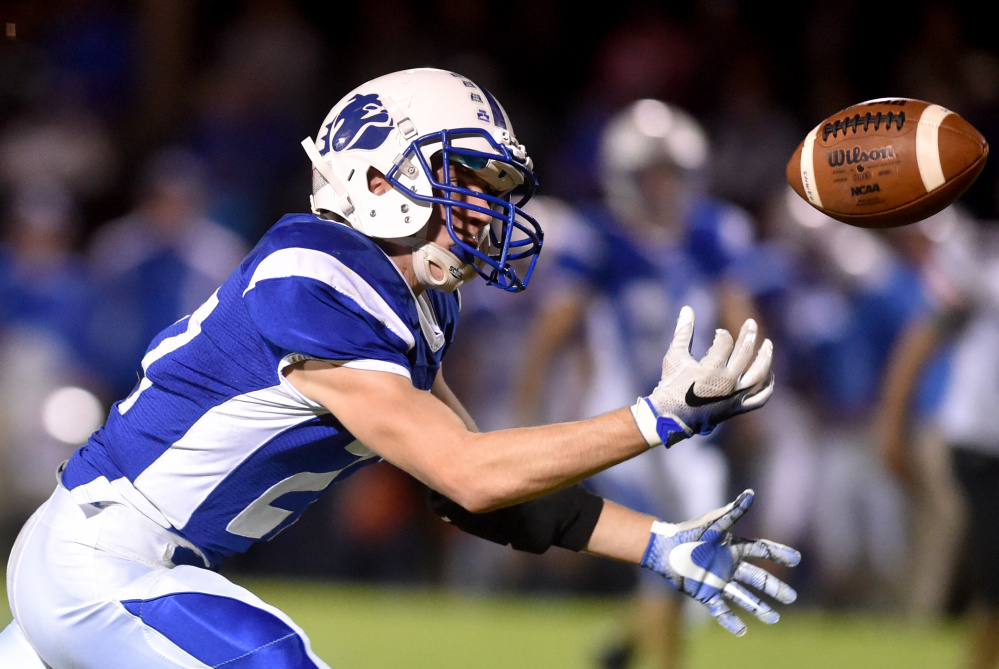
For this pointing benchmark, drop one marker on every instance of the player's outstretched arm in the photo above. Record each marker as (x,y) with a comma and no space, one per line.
(426,437)
(701,558)
(694,396)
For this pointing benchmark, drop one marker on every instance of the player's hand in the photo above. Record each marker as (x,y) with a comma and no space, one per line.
(701,558)
(694,396)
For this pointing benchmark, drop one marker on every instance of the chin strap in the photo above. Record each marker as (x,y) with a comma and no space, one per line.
(428,255)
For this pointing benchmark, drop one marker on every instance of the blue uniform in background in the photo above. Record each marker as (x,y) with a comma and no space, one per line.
(635,288)
(56,299)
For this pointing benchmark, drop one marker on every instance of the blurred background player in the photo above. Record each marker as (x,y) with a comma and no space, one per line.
(912,444)
(47,302)
(159,261)
(948,456)
(842,299)
(654,241)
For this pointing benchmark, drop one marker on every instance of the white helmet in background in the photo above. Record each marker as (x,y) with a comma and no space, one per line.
(645,134)
(396,124)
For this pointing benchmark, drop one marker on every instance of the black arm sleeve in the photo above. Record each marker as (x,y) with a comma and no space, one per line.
(565,518)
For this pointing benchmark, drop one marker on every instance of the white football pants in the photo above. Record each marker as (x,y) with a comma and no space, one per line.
(93,588)
(16,652)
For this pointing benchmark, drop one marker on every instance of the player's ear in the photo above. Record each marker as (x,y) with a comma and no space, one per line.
(377,183)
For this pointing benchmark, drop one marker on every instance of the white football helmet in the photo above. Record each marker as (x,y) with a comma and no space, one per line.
(645,134)
(396,124)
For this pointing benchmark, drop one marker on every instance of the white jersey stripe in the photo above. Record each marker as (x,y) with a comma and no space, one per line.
(359,363)
(226,435)
(312,264)
(378,366)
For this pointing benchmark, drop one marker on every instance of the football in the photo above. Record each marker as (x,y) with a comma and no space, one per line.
(887,162)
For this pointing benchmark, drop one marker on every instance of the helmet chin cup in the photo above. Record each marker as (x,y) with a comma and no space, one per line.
(428,256)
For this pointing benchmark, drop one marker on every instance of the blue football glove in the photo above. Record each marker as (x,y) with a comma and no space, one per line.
(694,396)
(701,558)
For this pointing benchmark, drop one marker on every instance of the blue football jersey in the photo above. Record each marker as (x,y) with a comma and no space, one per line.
(214,443)
(637,289)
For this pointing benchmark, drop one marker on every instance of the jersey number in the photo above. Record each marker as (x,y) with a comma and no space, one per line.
(259,518)
(169,345)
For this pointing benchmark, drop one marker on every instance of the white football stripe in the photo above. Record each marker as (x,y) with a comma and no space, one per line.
(312,264)
(928,147)
(226,435)
(378,366)
(683,565)
(808,168)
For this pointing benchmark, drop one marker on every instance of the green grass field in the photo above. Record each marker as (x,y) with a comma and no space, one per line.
(355,627)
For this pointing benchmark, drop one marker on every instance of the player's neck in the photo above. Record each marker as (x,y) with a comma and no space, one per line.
(402,256)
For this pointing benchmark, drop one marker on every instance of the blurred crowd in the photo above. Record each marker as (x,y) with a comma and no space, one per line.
(145,146)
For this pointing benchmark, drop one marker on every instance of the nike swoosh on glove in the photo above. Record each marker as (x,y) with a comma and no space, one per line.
(694,396)
(701,558)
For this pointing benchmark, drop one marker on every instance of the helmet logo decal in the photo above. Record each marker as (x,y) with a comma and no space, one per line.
(363,123)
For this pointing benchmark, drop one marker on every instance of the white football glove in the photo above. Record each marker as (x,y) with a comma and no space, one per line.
(694,396)
(701,558)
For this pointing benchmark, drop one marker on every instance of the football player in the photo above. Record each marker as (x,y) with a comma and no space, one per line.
(654,239)
(321,354)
